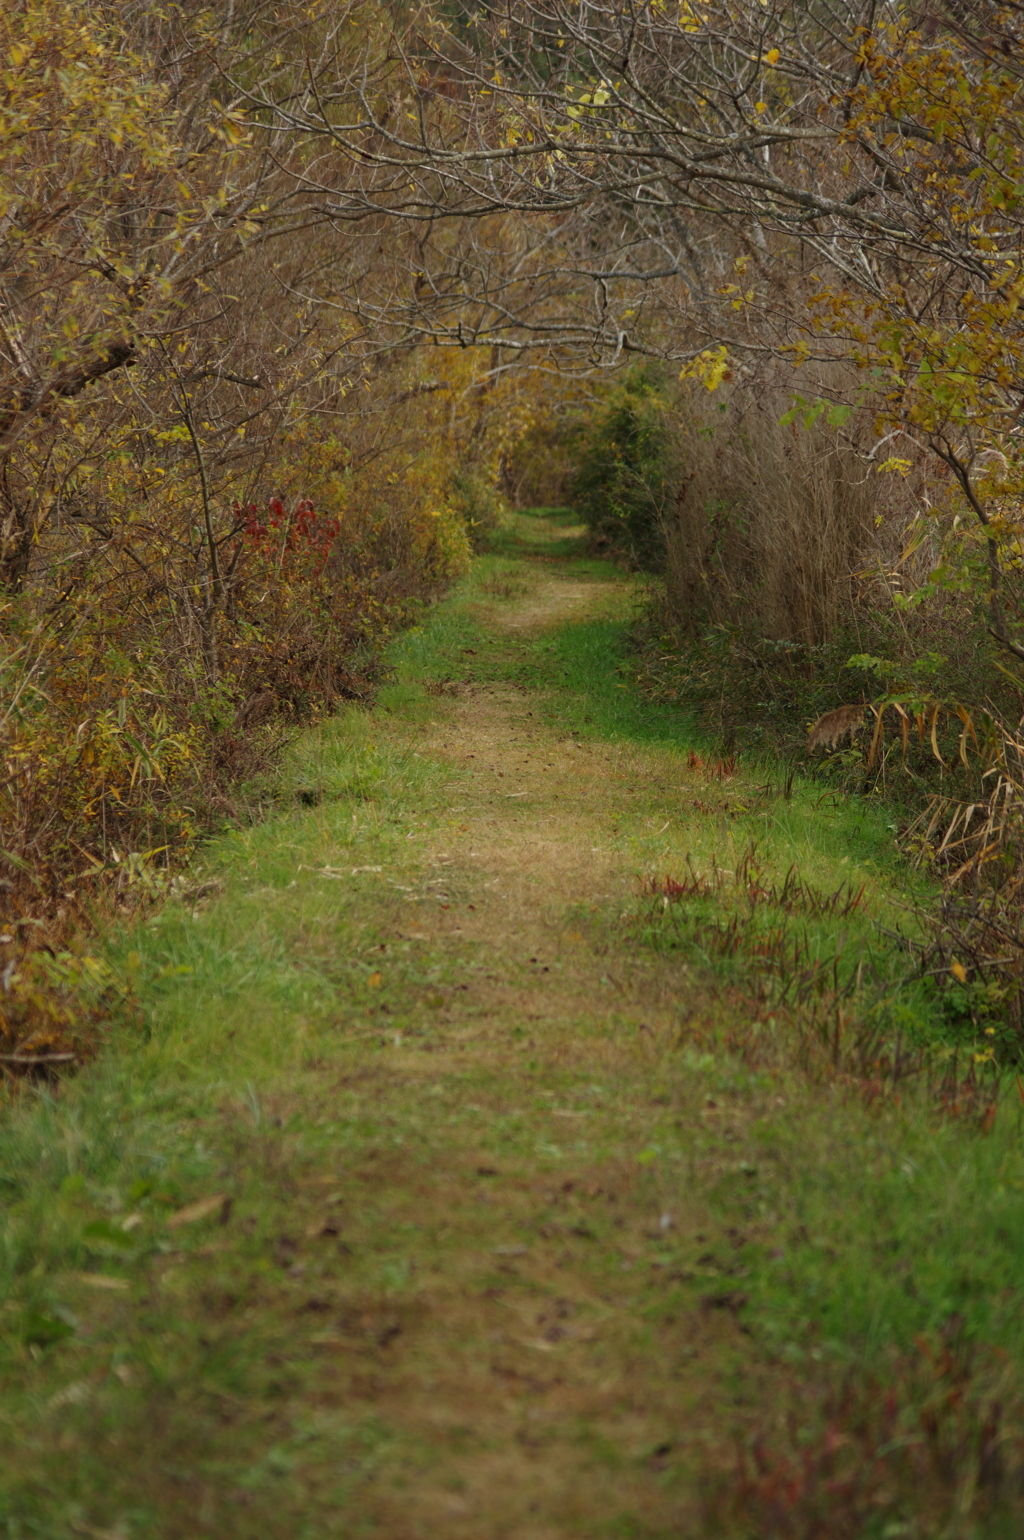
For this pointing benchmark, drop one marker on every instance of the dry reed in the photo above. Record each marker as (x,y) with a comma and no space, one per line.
(772,523)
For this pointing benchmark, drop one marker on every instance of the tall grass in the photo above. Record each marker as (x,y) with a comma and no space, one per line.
(771,523)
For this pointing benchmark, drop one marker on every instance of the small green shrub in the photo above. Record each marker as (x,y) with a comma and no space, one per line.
(626,471)
(478,503)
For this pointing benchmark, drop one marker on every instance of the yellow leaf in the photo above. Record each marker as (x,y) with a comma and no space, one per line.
(375,980)
(710,367)
(934,736)
(959,972)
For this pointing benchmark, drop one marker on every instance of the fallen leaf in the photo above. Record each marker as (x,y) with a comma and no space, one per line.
(375,980)
(193,1212)
(734,1301)
(102,1281)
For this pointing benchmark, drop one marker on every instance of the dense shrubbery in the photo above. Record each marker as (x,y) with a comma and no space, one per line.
(626,468)
(129,720)
(478,502)
(800,586)
(218,496)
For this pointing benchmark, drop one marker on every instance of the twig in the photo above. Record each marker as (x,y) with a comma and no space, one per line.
(29,1058)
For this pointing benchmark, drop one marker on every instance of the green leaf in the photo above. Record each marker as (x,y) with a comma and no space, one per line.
(42,1328)
(101,1236)
(866,661)
(836,413)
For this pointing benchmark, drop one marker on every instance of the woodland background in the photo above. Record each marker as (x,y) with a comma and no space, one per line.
(294,299)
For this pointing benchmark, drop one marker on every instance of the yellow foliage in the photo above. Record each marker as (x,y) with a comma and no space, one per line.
(711,367)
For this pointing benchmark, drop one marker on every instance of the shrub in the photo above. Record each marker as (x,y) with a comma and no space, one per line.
(627,468)
(478,503)
(132,708)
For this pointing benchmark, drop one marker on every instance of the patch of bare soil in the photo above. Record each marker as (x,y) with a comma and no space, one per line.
(551,602)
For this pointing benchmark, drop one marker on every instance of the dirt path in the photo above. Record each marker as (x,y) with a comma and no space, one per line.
(551,1375)
(441,1183)
(530,820)
(421,1209)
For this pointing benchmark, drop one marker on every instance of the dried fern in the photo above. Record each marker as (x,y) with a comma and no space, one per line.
(834,726)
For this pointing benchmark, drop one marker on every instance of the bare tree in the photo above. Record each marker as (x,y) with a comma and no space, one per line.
(710,180)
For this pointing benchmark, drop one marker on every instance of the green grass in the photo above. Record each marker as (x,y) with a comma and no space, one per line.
(539,532)
(890,1240)
(294,1026)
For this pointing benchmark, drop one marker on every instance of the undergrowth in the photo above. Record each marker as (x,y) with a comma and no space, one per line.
(896,1455)
(832,989)
(333,1158)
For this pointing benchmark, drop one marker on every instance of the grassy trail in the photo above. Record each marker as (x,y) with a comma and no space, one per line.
(453,1188)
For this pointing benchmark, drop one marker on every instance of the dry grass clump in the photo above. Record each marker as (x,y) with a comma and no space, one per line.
(976,845)
(807,587)
(772,523)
